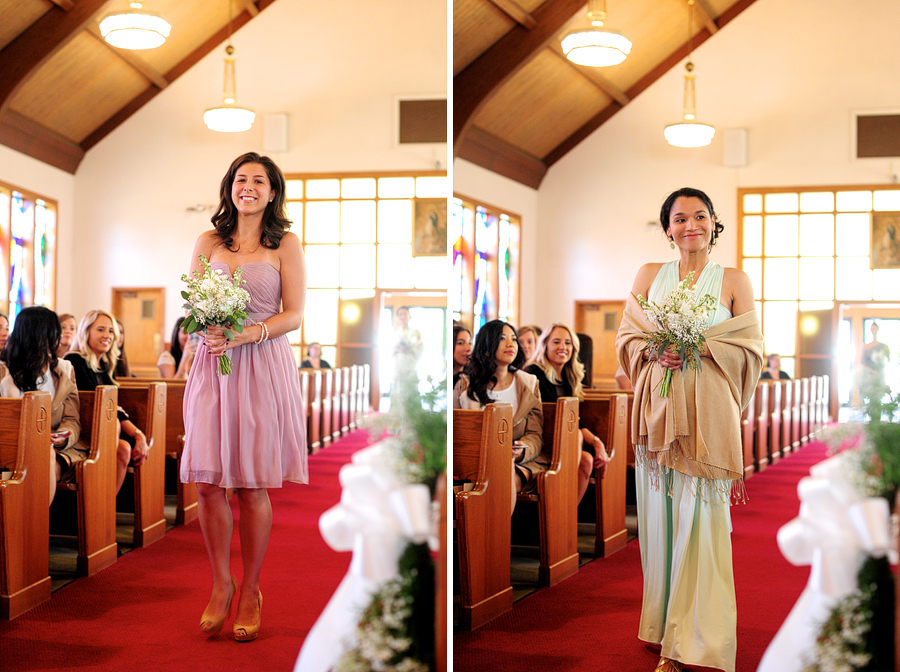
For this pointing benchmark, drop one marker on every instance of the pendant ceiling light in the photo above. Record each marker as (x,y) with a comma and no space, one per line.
(596,46)
(689,132)
(134,28)
(229,118)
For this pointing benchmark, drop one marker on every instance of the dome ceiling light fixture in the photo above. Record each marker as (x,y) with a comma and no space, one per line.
(134,28)
(229,118)
(596,46)
(689,132)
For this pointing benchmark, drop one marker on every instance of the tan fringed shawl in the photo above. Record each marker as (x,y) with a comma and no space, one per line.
(696,429)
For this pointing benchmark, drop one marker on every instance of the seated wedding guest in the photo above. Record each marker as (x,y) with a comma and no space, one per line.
(528,338)
(493,375)
(773,369)
(123,370)
(314,358)
(94,355)
(31,364)
(4,330)
(176,361)
(559,372)
(462,349)
(67,325)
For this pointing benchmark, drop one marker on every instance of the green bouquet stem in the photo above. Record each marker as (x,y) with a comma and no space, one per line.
(667,381)
(224,365)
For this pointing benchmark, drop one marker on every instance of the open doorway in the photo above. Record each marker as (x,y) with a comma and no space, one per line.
(855,336)
(428,315)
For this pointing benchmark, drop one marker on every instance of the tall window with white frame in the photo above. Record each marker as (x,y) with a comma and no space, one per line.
(363,235)
(28,225)
(811,248)
(486,254)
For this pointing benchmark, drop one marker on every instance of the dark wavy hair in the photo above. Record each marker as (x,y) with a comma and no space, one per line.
(32,345)
(483,365)
(666,210)
(175,348)
(275,219)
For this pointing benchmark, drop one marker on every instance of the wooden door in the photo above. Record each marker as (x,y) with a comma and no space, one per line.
(142,312)
(600,320)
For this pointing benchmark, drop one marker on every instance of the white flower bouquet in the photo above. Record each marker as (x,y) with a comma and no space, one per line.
(212,299)
(681,318)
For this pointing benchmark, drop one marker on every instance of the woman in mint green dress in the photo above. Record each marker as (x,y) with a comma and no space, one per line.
(689,462)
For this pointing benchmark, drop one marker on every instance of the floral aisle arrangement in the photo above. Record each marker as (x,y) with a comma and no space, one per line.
(396,629)
(382,615)
(212,299)
(681,318)
(844,619)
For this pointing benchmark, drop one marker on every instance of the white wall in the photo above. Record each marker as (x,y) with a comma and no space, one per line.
(333,70)
(791,72)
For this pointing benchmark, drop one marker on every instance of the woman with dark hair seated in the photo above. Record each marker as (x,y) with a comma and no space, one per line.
(176,361)
(559,373)
(462,349)
(30,365)
(493,375)
(314,358)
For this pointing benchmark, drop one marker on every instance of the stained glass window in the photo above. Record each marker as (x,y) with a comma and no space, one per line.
(27,251)
(485,264)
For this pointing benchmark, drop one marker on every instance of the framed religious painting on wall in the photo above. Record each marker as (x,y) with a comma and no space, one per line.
(430,227)
(884,240)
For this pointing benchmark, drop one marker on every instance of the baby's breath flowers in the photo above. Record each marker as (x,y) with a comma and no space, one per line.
(212,299)
(681,318)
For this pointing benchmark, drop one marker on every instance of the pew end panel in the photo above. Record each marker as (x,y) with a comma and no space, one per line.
(761,425)
(748,428)
(607,417)
(146,406)
(95,481)
(557,494)
(24,503)
(482,456)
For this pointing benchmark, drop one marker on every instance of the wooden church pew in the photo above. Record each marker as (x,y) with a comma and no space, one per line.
(773,442)
(748,432)
(326,393)
(95,481)
(482,452)
(761,426)
(185,493)
(24,503)
(557,494)
(146,407)
(313,399)
(607,417)
(336,387)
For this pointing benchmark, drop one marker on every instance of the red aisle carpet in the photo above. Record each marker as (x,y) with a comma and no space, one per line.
(144,611)
(589,622)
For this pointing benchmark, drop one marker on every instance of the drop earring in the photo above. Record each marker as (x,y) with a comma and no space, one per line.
(671,243)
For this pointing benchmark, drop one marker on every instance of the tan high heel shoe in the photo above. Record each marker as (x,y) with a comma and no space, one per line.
(668,665)
(247,632)
(212,625)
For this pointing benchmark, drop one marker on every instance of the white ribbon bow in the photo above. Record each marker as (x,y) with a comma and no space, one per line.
(836,529)
(377,517)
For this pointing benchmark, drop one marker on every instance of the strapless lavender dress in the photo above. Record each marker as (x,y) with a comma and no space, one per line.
(246,429)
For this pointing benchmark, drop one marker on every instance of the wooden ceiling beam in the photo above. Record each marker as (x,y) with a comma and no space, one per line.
(127,55)
(498,156)
(515,12)
(251,7)
(38,142)
(594,77)
(50,33)
(179,69)
(706,15)
(65,5)
(673,59)
(474,85)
